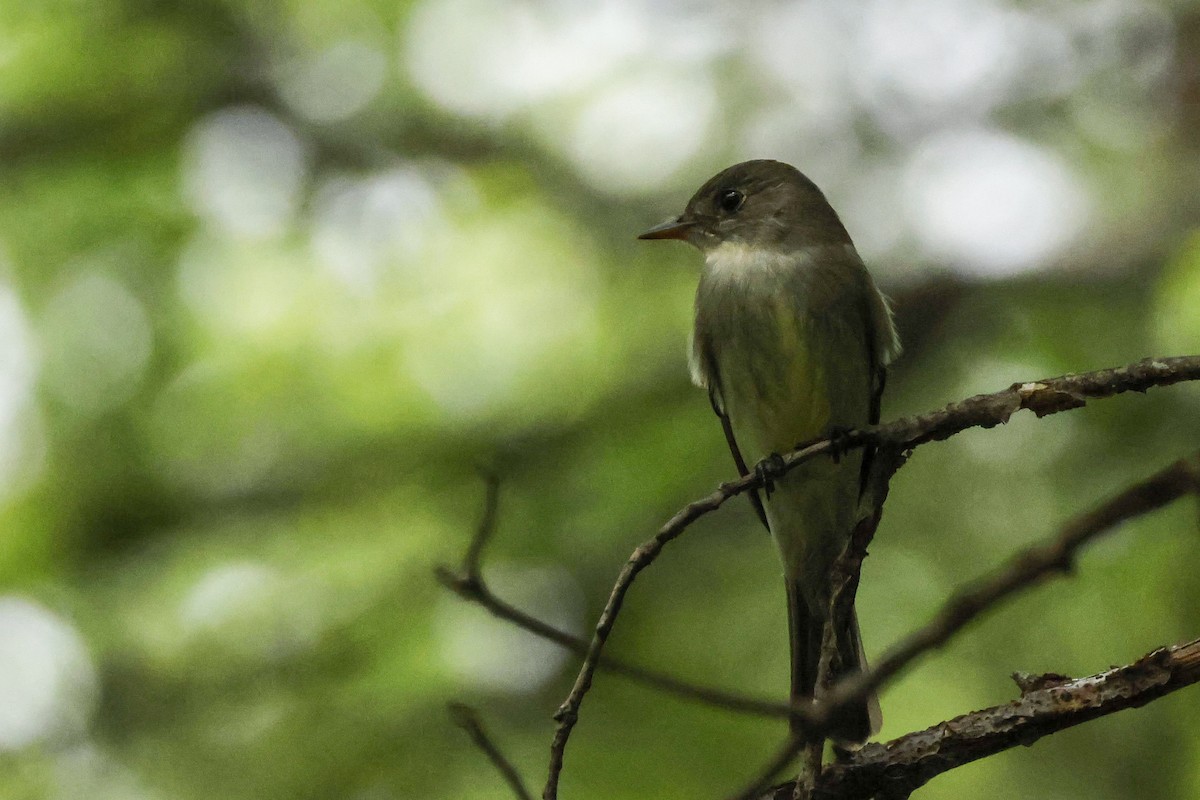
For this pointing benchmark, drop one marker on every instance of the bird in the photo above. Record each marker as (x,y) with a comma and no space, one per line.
(792,341)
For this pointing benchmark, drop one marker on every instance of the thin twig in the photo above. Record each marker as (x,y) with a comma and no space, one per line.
(1044,397)
(466,718)
(469,584)
(844,578)
(642,557)
(477,591)
(770,771)
(846,570)
(473,558)
(814,751)
(1024,571)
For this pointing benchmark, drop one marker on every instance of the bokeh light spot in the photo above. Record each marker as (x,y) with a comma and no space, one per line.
(335,83)
(635,135)
(87,771)
(47,679)
(499,313)
(251,608)
(199,445)
(493,654)
(361,225)
(991,204)
(97,341)
(243,170)
(22,444)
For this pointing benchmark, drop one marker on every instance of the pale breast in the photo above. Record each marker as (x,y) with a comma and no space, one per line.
(782,341)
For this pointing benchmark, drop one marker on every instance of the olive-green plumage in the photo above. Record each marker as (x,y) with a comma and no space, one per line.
(791,339)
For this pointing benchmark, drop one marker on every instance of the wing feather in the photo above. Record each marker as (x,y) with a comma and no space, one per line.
(706,368)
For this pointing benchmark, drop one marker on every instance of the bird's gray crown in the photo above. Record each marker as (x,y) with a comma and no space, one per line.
(761,203)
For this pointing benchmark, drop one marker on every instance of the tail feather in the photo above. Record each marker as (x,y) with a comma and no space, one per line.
(805,631)
(804,638)
(870,717)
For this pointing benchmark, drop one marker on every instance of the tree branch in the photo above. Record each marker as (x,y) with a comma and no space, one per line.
(1049,702)
(466,718)
(472,565)
(477,591)
(898,767)
(1044,397)
(469,584)
(568,713)
(1025,570)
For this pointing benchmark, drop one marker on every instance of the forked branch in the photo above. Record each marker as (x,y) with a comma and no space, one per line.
(896,768)
(1043,397)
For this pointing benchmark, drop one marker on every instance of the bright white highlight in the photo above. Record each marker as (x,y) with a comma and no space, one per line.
(335,83)
(243,171)
(47,679)
(992,204)
(636,135)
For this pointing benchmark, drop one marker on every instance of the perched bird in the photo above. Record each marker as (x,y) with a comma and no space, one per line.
(791,340)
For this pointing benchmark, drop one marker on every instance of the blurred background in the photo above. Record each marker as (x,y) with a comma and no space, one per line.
(278,280)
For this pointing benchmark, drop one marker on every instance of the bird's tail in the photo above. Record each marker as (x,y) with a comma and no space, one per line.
(856,724)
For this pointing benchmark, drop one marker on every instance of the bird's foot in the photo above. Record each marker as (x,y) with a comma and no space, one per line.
(839,444)
(841,754)
(768,470)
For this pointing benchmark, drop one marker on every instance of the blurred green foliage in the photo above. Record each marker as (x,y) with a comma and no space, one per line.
(277,281)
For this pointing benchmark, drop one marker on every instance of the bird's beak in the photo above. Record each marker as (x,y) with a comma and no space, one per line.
(677,228)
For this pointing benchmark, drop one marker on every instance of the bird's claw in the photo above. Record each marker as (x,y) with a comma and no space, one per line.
(843,755)
(767,470)
(839,444)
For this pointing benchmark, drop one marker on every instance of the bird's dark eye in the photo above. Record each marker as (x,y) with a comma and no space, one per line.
(730,200)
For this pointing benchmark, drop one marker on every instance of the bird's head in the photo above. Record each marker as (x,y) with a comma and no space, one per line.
(765,204)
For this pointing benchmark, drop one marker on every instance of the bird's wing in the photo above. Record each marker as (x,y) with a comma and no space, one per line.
(713,382)
(882,346)
(727,426)
(878,382)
